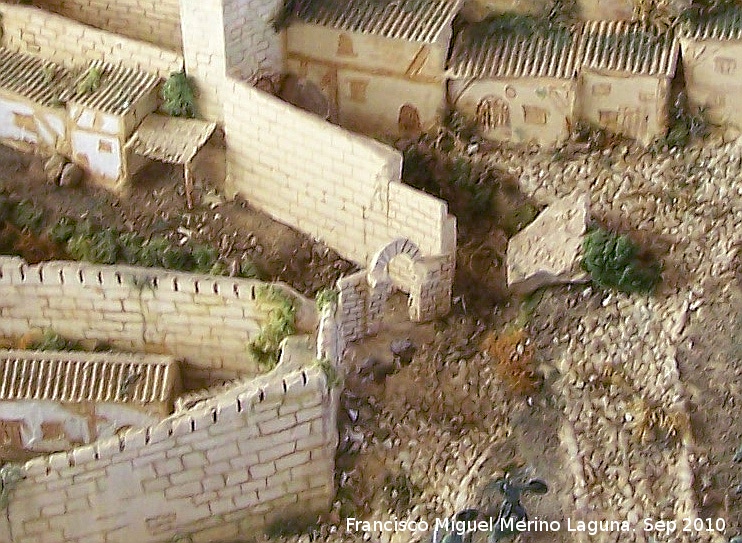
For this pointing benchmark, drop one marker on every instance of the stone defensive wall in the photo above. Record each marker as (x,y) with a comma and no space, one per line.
(206,321)
(156,22)
(254,453)
(330,183)
(73,44)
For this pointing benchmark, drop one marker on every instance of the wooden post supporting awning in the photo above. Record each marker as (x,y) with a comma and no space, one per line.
(172,140)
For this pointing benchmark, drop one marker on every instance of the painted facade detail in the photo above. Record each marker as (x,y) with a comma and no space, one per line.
(517,87)
(381,67)
(51,401)
(712,60)
(625,77)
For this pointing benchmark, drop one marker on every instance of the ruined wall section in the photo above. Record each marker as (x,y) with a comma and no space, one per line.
(73,44)
(207,321)
(155,22)
(337,186)
(220,472)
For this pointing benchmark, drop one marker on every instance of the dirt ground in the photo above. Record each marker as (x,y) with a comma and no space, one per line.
(156,205)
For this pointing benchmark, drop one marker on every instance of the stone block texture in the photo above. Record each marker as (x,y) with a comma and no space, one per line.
(217,473)
(156,22)
(340,187)
(207,321)
(253,47)
(73,44)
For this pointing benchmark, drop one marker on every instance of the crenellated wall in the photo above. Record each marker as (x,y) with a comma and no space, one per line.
(73,44)
(205,320)
(255,453)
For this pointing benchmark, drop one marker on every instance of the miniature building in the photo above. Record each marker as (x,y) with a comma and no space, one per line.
(517,87)
(51,401)
(30,110)
(102,120)
(625,75)
(712,60)
(381,66)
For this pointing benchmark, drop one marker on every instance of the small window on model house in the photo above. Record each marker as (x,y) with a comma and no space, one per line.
(53,431)
(408,120)
(358,90)
(24,121)
(10,434)
(601,89)
(105,146)
(534,115)
(725,65)
(345,46)
(492,112)
(608,119)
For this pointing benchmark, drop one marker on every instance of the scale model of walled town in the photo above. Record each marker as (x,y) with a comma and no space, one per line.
(116,447)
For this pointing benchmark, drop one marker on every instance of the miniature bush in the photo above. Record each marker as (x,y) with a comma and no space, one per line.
(280,324)
(52,341)
(612,260)
(91,82)
(513,357)
(204,258)
(26,216)
(326,298)
(178,97)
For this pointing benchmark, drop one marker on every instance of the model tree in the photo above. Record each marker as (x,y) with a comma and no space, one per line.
(178,97)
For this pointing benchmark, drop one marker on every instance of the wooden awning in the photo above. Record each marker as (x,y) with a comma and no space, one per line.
(174,140)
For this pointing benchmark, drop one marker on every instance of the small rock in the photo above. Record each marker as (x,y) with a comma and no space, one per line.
(548,251)
(72,175)
(403,350)
(53,168)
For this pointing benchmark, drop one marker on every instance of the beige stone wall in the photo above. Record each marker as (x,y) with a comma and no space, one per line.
(62,40)
(596,10)
(636,106)
(540,110)
(252,46)
(153,21)
(375,105)
(254,454)
(368,78)
(712,81)
(331,184)
(204,47)
(207,321)
(367,52)
(476,10)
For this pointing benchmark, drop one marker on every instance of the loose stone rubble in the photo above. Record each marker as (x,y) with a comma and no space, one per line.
(625,434)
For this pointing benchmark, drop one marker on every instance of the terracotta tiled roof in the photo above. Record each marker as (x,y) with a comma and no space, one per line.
(412,20)
(506,55)
(622,46)
(120,88)
(86,377)
(38,80)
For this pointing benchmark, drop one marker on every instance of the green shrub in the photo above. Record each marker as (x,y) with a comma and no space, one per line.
(326,297)
(248,269)
(178,97)
(280,324)
(52,341)
(27,217)
(613,262)
(63,230)
(204,258)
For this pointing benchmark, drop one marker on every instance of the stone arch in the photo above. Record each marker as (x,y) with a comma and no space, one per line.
(378,272)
